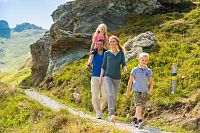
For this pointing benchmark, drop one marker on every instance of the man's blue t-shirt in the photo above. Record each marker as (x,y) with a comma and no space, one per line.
(97,63)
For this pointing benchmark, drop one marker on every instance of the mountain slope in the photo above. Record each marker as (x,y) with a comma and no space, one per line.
(15,51)
(177,42)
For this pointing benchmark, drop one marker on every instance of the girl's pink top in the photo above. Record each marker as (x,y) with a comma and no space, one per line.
(100,37)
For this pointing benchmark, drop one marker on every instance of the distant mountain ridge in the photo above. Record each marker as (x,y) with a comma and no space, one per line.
(26,26)
(4,29)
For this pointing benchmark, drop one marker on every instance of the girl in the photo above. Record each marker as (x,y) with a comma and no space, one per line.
(100,34)
(111,68)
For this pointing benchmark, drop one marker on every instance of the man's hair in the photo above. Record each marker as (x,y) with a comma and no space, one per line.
(143,55)
(101,40)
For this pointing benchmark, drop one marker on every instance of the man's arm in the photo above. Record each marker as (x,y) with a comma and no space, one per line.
(89,64)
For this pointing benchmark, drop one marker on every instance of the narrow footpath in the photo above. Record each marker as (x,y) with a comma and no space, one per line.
(52,104)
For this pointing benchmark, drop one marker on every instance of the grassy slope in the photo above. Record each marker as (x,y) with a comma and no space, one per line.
(16,49)
(18,113)
(177,42)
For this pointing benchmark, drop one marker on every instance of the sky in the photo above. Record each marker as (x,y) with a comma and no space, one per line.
(36,12)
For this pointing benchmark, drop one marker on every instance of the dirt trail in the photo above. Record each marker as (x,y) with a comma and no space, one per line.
(48,102)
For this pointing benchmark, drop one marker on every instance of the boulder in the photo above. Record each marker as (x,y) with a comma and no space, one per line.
(133,47)
(52,52)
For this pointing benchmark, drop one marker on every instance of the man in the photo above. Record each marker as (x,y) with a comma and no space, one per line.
(99,96)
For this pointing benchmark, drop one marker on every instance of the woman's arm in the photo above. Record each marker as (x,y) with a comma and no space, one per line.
(123,62)
(125,69)
(103,68)
(101,76)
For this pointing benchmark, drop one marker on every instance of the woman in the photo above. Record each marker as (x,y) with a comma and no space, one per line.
(111,68)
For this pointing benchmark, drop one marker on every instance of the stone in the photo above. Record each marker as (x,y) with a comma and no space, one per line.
(135,46)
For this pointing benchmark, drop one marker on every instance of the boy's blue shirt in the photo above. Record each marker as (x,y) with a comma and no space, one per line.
(141,76)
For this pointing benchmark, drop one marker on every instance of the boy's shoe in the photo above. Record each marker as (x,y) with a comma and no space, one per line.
(112,118)
(141,125)
(99,118)
(134,124)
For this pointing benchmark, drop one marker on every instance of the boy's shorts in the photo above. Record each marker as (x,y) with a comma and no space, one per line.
(140,98)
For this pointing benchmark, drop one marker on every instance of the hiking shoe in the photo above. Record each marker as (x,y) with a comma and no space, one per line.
(99,118)
(112,118)
(134,124)
(141,125)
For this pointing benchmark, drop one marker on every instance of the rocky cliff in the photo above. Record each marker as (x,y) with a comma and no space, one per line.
(66,41)
(4,29)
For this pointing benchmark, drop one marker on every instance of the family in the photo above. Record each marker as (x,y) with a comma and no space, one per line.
(106,57)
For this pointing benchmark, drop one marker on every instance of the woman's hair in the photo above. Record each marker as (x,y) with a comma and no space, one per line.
(98,29)
(117,39)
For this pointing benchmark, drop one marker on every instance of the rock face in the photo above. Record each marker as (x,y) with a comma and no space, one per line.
(52,52)
(4,29)
(67,41)
(135,46)
(73,16)
(26,26)
(173,1)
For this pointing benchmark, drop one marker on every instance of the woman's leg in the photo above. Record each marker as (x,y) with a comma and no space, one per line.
(111,95)
(116,84)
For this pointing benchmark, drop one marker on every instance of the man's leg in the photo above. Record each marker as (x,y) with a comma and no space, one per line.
(95,89)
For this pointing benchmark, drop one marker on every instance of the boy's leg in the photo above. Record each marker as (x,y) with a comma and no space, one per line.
(104,97)
(140,101)
(138,112)
(95,89)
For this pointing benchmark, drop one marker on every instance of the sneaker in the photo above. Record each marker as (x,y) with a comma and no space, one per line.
(112,118)
(134,124)
(99,118)
(141,125)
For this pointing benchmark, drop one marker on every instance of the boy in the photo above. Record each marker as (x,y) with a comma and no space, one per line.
(139,77)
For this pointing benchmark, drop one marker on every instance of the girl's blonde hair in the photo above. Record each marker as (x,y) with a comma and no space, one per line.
(98,29)
(117,39)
